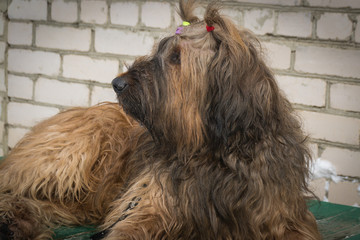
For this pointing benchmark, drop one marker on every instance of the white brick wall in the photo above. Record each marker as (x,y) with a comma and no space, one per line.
(67,38)
(64,11)
(20,33)
(345,96)
(101,94)
(28,9)
(277,55)
(2,80)
(123,42)
(86,68)
(55,54)
(93,11)
(331,127)
(347,162)
(307,91)
(335,26)
(2,23)
(15,134)
(357,30)
(124,13)
(61,93)
(294,24)
(328,61)
(344,193)
(275,2)
(20,87)
(335,4)
(156,14)
(2,51)
(260,21)
(29,115)
(33,62)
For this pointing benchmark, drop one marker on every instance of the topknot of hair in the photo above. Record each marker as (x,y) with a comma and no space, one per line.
(186,11)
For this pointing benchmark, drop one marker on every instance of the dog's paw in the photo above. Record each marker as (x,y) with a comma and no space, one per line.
(5,232)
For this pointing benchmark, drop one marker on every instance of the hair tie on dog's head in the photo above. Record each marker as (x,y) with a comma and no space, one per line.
(210,28)
(179,29)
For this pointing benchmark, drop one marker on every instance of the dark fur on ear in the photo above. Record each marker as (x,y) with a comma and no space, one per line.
(186,11)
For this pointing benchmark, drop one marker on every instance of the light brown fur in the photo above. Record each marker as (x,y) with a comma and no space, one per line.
(204,146)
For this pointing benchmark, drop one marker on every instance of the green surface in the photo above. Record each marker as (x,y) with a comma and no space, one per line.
(74,233)
(335,222)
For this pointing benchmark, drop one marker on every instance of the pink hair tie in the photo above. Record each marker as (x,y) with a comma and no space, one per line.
(210,28)
(178,30)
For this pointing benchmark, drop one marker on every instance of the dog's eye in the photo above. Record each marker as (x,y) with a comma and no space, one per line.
(175,57)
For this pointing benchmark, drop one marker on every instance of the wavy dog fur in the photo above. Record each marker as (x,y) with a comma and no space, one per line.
(204,141)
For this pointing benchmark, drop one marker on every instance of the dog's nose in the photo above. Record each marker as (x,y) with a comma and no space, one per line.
(119,84)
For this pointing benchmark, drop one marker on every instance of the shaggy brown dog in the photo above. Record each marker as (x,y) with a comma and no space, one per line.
(214,151)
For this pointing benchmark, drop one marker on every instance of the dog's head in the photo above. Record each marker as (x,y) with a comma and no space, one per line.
(204,85)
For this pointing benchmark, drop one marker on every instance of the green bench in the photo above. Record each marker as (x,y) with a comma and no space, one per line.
(335,222)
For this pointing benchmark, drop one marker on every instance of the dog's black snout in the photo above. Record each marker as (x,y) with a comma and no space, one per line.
(119,84)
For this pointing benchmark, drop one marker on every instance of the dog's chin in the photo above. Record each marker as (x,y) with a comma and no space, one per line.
(131,109)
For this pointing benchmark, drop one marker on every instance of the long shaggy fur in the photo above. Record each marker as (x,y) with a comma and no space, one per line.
(204,146)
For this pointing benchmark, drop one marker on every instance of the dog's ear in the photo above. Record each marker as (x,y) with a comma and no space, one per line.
(242,91)
(186,11)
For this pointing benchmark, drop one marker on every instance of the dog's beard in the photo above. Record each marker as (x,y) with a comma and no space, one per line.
(132,105)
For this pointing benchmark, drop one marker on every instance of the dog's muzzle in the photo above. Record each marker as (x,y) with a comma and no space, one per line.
(119,84)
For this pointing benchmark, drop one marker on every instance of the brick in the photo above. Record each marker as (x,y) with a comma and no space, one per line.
(346,162)
(1,108)
(15,134)
(20,33)
(2,51)
(2,100)
(27,115)
(2,128)
(64,11)
(345,96)
(274,2)
(296,24)
(278,56)
(101,94)
(357,30)
(335,4)
(123,42)
(2,23)
(156,14)
(124,13)
(331,128)
(61,93)
(20,87)
(28,9)
(63,38)
(306,91)
(344,193)
(234,14)
(177,19)
(2,80)
(313,150)
(317,186)
(328,61)
(93,11)
(260,21)
(335,26)
(86,68)
(27,61)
